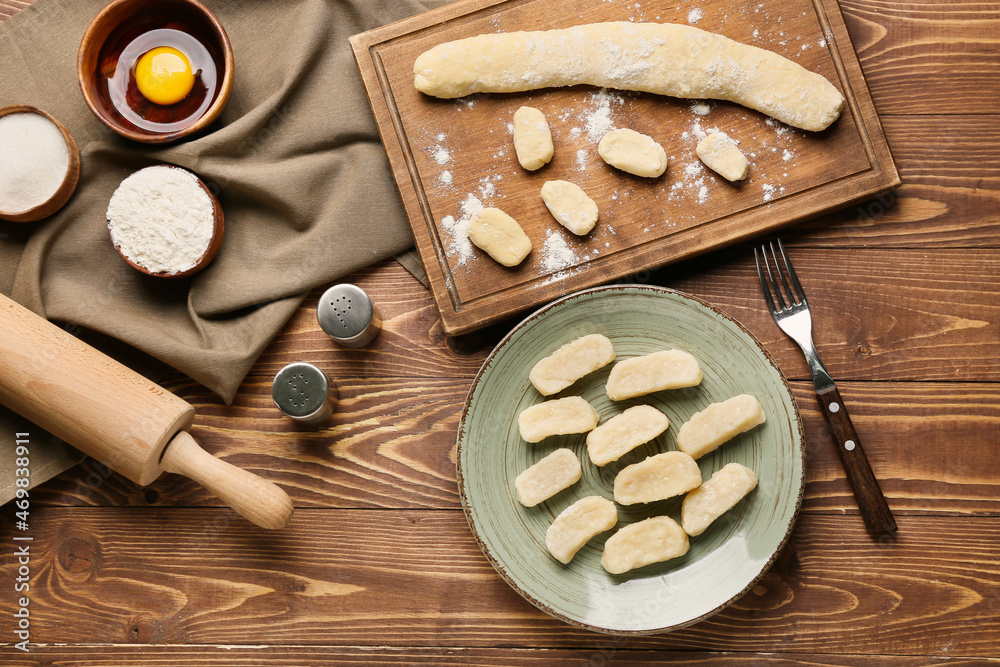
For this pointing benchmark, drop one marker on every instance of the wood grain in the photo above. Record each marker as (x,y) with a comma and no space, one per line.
(335,576)
(644,222)
(949,166)
(872,505)
(906,290)
(609,654)
(85,397)
(927,56)
(932,448)
(920,317)
(391,442)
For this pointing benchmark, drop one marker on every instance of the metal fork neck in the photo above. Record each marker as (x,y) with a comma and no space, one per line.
(821,377)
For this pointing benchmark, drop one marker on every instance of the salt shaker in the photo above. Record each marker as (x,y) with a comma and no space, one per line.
(304,393)
(346,313)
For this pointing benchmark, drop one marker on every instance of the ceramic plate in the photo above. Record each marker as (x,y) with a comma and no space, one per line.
(725,561)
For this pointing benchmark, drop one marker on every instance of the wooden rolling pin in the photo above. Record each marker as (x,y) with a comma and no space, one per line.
(115,415)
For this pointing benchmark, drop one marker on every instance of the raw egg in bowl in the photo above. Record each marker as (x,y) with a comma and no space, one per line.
(163,75)
(155,70)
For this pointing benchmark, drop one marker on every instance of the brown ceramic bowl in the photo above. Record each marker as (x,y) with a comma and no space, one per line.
(213,245)
(68,186)
(124,20)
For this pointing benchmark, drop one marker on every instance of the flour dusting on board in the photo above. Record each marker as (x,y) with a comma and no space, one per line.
(556,254)
(700,107)
(597,121)
(460,245)
(686,192)
(440,151)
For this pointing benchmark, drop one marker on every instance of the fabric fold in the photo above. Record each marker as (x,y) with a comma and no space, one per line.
(295,160)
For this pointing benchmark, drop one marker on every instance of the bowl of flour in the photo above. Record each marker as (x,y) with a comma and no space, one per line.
(39,164)
(165,222)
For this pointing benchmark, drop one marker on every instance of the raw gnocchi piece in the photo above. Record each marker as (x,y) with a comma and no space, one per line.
(658,477)
(669,369)
(570,363)
(720,154)
(577,524)
(500,236)
(570,206)
(633,152)
(559,417)
(532,138)
(717,423)
(623,433)
(716,497)
(655,539)
(557,471)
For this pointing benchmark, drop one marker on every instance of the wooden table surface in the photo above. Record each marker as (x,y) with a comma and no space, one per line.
(378,565)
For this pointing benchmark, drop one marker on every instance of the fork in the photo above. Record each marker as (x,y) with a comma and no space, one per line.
(790,310)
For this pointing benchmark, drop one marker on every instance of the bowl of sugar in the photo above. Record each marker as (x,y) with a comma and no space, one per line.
(39,164)
(165,222)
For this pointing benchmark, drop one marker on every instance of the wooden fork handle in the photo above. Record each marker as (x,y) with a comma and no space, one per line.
(874,509)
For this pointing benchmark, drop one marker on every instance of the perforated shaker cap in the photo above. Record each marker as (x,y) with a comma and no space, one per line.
(302,391)
(346,313)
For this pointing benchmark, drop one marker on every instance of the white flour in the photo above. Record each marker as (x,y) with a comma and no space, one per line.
(33,161)
(459,229)
(779,127)
(556,254)
(597,122)
(695,15)
(161,219)
(701,108)
(487,186)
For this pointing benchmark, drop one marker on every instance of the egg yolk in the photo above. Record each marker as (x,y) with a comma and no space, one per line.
(164,75)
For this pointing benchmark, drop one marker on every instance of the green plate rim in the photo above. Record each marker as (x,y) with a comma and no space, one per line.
(652,290)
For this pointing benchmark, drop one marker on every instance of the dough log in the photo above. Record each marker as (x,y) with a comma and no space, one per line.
(661,58)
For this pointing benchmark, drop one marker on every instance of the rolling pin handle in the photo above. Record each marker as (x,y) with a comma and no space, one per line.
(253,497)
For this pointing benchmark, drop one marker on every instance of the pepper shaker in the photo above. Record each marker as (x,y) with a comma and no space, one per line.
(347,314)
(304,393)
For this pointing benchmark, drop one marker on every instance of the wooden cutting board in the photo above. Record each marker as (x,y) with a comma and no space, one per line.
(450,156)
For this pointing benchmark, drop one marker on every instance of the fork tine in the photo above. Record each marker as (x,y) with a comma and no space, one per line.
(800,294)
(775,286)
(763,281)
(788,293)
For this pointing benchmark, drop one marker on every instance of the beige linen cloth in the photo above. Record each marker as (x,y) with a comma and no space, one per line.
(299,170)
